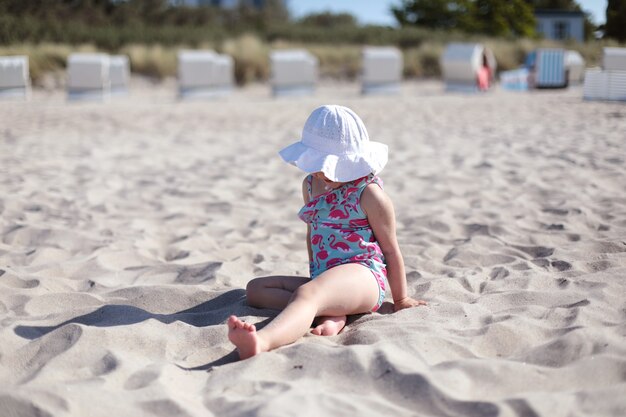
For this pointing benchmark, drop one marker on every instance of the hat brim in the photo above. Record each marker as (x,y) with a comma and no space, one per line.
(339,168)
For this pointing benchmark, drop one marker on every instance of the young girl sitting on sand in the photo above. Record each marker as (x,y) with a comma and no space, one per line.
(351,238)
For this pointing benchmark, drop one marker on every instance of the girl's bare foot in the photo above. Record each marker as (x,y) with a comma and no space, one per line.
(244,336)
(329,326)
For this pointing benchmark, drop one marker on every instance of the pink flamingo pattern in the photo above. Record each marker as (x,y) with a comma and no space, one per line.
(341,232)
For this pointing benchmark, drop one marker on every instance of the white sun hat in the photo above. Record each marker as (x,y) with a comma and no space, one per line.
(335,142)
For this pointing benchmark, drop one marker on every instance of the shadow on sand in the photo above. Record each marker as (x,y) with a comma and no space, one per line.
(208,313)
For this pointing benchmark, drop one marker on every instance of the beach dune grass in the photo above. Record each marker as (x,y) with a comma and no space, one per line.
(251,57)
(156,61)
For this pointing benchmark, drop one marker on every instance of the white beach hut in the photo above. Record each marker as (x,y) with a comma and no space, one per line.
(88,76)
(608,82)
(468,67)
(14,77)
(293,72)
(382,70)
(120,74)
(574,66)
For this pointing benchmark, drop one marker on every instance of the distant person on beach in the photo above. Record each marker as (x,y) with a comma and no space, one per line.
(351,239)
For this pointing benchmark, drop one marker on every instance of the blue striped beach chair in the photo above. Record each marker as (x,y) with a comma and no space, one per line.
(550,68)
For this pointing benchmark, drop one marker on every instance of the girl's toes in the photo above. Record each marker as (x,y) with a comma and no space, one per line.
(317,331)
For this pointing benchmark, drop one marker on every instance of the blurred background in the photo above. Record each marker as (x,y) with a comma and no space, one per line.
(151,32)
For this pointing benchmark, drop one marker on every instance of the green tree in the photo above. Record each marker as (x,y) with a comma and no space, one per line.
(493,17)
(615,26)
(504,18)
(275,11)
(433,14)
(555,4)
(329,20)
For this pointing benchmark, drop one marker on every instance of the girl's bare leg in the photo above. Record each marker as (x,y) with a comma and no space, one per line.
(342,290)
(275,292)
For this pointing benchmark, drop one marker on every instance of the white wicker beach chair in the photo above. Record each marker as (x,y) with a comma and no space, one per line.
(120,74)
(463,65)
(224,73)
(382,70)
(575,67)
(596,84)
(88,76)
(14,77)
(608,82)
(204,74)
(195,72)
(614,59)
(293,72)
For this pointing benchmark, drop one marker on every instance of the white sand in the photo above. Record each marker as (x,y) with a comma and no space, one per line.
(128,231)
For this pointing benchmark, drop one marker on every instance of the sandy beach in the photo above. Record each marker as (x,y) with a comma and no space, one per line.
(129,230)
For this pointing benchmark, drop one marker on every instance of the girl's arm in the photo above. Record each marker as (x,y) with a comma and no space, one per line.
(381,216)
(305,197)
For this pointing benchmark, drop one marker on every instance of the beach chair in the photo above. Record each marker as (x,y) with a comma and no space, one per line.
(293,72)
(14,77)
(574,67)
(467,67)
(617,85)
(195,73)
(614,64)
(604,85)
(608,82)
(382,70)
(88,76)
(596,84)
(614,59)
(120,74)
(204,74)
(224,73)
(547,68)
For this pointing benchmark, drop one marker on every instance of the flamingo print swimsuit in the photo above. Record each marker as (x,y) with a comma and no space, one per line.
(341,233)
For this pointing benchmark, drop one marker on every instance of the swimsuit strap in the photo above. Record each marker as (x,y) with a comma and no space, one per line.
(376,180)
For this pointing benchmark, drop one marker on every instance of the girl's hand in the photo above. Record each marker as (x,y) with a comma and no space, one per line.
(407,302)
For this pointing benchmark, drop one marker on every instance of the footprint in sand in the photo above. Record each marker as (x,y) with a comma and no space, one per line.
(107,364)
(561,265)
(141,379)
(535,251)
(165,408)
(499,273)
(19,407)
(174,255)
(197,274)
(40,352)
(13,281)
